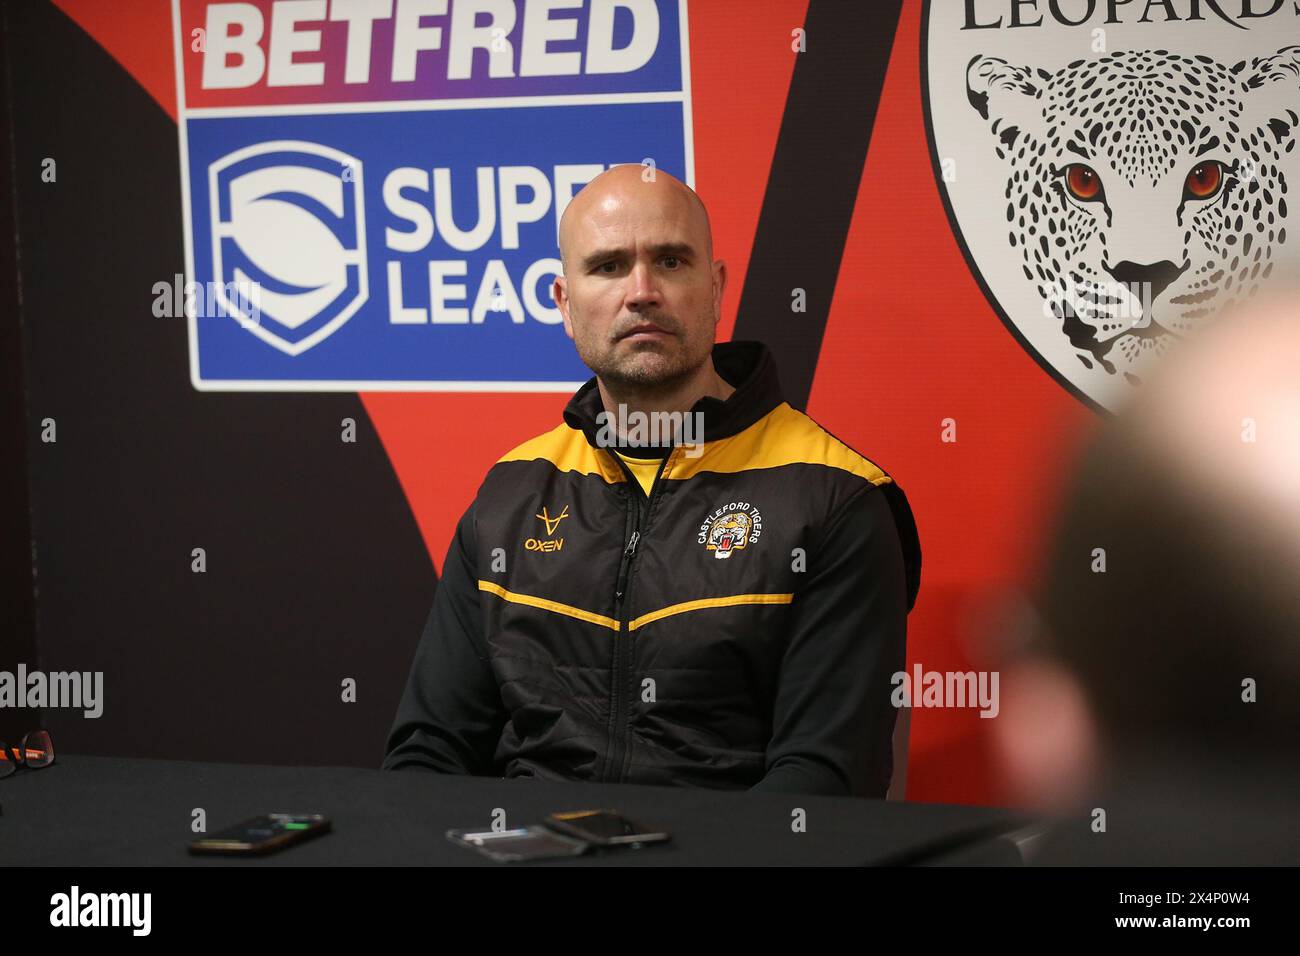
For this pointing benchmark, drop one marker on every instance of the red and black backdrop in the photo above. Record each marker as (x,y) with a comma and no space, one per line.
(820,172)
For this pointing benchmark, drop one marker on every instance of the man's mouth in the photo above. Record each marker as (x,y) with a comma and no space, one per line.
(646,332)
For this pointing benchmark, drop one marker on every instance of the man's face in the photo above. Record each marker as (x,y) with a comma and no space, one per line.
(640,297)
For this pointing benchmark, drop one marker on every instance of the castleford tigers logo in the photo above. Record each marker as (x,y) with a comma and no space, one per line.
(1116,175)
(551,544)
(730,529)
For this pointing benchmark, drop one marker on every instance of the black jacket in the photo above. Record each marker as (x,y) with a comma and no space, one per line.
(738,628)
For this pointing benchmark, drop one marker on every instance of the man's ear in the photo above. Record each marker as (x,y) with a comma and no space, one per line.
(719,287)
(560,293)
(1008,96)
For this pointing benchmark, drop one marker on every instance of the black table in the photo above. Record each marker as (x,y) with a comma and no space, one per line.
(106,811)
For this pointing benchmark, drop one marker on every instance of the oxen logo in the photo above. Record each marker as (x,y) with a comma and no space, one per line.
(552,522)
(1114,203)
(289,218)
(730,529)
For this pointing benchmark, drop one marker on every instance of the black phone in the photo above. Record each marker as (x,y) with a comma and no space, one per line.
(604,828)
(264,834)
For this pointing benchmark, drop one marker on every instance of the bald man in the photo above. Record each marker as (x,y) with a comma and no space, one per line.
(687,582)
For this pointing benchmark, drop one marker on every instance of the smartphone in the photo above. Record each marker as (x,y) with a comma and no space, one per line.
(604,828)
(264,834)
(520,844)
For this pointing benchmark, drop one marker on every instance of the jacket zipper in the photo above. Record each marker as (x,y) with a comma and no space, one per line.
(622,638)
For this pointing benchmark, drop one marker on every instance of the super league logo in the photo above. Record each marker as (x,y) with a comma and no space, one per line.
(288,218)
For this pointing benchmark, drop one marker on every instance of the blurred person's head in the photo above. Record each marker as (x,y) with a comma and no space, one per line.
(637,253)
(1191,496)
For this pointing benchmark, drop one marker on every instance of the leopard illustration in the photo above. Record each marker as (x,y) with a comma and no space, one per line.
(1145,189)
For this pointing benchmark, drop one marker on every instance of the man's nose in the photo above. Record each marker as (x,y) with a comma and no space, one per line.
(642,287)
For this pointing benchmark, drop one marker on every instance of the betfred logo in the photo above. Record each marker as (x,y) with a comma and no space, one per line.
(290,217)
(389,177)
(398,46)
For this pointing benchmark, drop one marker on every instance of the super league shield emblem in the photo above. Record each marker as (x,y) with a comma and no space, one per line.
(288,221)
(1116,177)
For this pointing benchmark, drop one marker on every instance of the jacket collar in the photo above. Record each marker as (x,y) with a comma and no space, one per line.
(748,366)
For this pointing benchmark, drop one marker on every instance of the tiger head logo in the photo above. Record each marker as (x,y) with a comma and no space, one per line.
(730,529)
(729,533)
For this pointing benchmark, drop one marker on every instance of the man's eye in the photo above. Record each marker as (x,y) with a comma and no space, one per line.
(1204,181)
(1083,182)
(671,258)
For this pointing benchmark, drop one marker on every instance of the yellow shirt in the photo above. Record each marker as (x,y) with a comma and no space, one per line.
(645,469)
